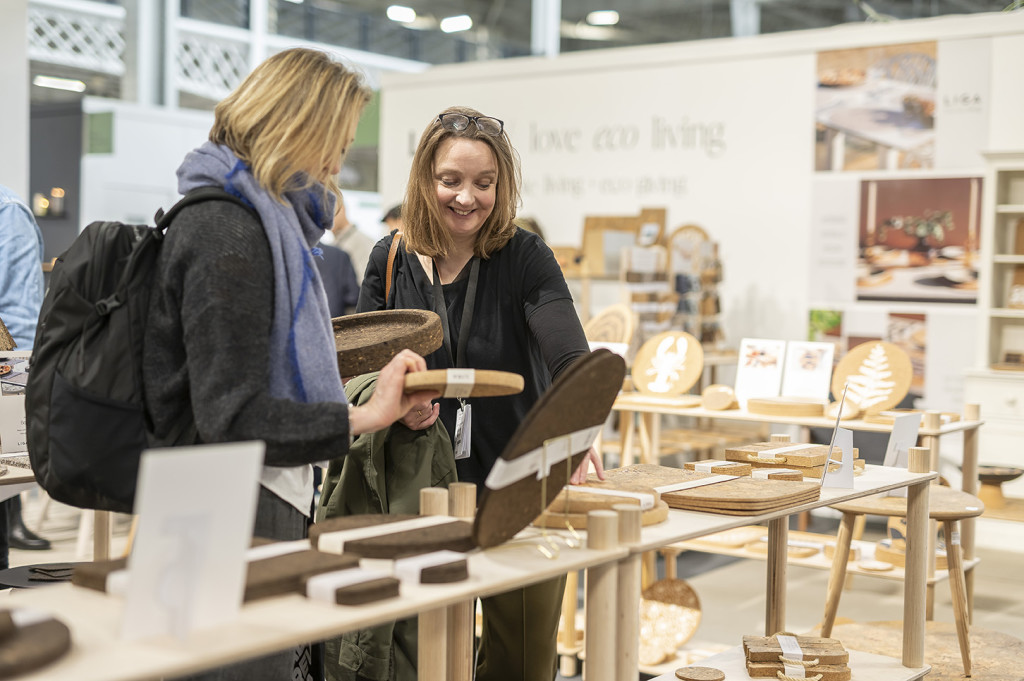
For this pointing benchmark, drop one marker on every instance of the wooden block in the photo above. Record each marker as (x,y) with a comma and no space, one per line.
(718,467)
(368,592)
(763,670)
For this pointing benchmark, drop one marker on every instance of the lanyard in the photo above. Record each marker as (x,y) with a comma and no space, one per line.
(441,308)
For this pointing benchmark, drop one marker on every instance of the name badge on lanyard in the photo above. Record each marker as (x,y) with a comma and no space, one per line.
(464,416)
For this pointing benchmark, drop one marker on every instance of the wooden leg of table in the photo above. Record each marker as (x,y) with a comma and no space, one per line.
(958,590)
(102,525)
(858,526)
(837,576)
(933,535)
(432,651)
(461,504)
(655,453)
(670,555)
(601,599)
(970,485)
(567,634)
(626,435)
(649,569)
(628,596)
(645,435)
(916,575)
(775,608)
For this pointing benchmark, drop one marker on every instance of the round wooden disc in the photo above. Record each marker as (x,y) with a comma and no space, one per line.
(367,341)
(700,674)
(614,324)
(486,383)
(879,375)
(581,398)
(683,619)
(718,397)
(668,364)
(875,565)
(785,406)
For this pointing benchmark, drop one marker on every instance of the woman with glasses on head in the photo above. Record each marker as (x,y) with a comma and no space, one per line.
(504,305)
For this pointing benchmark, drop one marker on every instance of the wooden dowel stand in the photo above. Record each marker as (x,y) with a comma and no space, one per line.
(432,655)
(628,625)
(461,504)
(916,570)
(601,601)
(972,412)
(837,577)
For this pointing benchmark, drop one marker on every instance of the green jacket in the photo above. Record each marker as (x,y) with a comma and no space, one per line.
(382,473)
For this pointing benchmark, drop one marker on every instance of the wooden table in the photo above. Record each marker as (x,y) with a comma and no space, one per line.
(99,654)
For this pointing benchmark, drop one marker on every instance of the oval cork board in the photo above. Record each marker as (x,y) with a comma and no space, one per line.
(879,375)
(668,364)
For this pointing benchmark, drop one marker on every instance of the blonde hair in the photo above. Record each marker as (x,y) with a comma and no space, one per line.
(291,117)
(424,228)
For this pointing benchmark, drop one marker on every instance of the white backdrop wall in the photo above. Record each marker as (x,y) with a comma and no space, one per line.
(14,96)
(721,133)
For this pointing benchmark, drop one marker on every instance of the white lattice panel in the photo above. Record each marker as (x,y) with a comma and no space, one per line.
(60,35)
(210,67)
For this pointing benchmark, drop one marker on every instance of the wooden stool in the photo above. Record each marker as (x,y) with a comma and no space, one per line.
(946,505)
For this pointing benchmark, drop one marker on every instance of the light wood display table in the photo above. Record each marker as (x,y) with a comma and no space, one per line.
(932,429)
(99,654)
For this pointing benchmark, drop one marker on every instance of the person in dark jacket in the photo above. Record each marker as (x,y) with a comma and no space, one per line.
(238,339)
(504,305)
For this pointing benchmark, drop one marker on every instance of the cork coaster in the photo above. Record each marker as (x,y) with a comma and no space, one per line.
(567,417)
(700,674)
(32,646)
(480,383)
(367,341)
(668,364)
(453,535)
(878,373)
(367,592)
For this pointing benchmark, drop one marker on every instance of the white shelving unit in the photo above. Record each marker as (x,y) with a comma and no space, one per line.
(997,382)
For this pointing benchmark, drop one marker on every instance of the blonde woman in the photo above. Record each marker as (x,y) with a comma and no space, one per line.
(238,342)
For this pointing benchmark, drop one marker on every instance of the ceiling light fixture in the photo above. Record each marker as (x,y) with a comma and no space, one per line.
(461,22)
(401,14)
(603,17)
(59,83)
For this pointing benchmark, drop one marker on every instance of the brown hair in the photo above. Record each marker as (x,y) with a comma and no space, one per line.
(425,231)
(293,114)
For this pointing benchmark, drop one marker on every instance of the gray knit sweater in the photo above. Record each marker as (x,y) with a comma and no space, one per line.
(207,342)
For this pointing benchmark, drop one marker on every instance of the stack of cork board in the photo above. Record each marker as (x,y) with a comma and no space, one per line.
(574,502)
(707,492)
(808,459)
(796,656)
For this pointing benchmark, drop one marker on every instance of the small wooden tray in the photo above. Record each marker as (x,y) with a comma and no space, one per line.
(786,406)
(367,341)
(481,383)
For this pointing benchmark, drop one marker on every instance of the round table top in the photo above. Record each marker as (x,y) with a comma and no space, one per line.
(944,503)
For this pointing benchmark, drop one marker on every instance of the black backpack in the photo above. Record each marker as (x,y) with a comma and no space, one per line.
(85,414)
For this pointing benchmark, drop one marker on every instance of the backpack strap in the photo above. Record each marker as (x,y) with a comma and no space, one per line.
(391,265)
(198,195)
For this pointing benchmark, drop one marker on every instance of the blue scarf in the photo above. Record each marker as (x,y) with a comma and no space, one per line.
(300,332)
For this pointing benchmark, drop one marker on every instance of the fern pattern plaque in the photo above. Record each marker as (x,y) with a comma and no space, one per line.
(878,373)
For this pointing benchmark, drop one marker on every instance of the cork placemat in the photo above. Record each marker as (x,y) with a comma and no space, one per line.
(367,341)
(668,364)
(452,535)
(465,382)
(878,373)
(572,410)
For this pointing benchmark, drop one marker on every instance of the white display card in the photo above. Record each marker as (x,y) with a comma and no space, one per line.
(13,429)
(808,370)
(842,478)
(905,428)
(196,508)
(759,368)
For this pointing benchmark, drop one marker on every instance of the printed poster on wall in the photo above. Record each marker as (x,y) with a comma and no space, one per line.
(919,239)
(875,108)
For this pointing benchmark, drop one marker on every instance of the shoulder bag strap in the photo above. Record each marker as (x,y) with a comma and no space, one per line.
(391,265)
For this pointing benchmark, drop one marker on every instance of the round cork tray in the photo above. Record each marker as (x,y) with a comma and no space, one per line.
(32,645)
(668,364)
(486,383)
(367,341)
(669,616)
(786,406)
(878,373)
(579,399)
